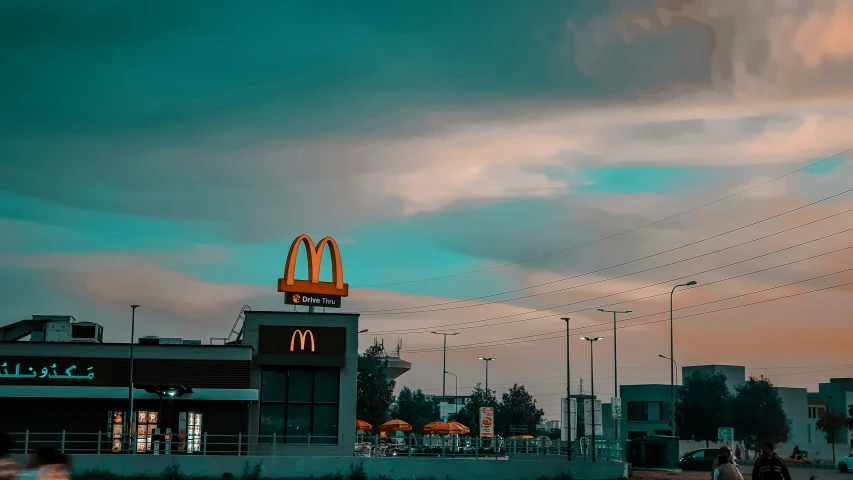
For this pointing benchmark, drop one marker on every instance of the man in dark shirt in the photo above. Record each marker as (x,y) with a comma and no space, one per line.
(768,466)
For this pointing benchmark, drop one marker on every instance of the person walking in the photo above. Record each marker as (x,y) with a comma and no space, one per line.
(726,469)
(726,453)
(768,465)
(8,468)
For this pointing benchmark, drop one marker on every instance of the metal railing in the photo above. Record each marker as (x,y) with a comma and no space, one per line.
(104,443)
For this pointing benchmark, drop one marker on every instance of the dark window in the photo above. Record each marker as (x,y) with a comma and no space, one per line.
(299,405)
(645,411)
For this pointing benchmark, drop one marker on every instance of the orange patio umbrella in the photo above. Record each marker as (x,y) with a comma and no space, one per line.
(362,425)
(428,428)
(449,428)
(395,426)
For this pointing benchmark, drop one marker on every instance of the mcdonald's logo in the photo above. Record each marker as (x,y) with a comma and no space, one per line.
(302,336)
(336,287)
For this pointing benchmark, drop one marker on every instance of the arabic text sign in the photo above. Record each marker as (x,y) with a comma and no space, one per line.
(487,422)
(18,370)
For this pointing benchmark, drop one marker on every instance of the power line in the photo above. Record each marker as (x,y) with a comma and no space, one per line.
(515,340)
(615,234)
(456,326)
(401,310)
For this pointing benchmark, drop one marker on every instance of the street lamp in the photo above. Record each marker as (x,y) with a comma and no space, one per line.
(445,361)
(456,381)
(676,366)
(568,418)
(129,419)
(615,365)
(487,360)
(672,357)
(591,341)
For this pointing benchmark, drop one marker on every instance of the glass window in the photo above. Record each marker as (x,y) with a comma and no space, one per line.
(274,386)
(654,411)
(299,404)
(326,383)
(298,423)
(272,421)
(325,424)
(300,386)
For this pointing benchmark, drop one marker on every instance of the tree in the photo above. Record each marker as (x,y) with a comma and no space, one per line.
(830,422)
(702,407)
(757,414)
(469,415)
(415,408)
(517,407)
(374,391)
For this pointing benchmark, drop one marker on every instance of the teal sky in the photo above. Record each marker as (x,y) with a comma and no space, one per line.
(173,150)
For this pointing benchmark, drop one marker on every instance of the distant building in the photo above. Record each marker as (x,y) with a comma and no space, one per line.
(645,411)
(837,396)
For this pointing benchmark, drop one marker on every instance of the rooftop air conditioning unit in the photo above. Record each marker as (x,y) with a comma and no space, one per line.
(86,332)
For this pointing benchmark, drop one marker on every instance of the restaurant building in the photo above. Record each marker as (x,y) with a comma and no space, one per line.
(288,381)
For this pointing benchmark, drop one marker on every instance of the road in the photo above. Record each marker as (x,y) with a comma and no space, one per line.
(796,474)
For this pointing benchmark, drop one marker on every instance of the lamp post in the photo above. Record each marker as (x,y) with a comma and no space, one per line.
(568,418)
(130,418)
(672,357)
(591,341)
(456,382)
(676,366)
(615,366)
(487,360)
(443,397)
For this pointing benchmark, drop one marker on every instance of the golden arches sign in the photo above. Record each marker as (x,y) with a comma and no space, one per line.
(302,337)
(336,287)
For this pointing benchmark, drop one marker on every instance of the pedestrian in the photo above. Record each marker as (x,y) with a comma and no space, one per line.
(8,468)
(47,463)
(768,465)
(725,453)
(738,452)
(727,470)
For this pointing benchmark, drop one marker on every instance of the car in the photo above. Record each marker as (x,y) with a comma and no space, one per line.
(700,460)
(845,464)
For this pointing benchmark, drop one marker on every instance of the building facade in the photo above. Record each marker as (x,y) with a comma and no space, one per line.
(645,411)
(289,383)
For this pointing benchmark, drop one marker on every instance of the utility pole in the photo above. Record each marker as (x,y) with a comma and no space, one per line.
(672,357)
(615,369)
(591,341)
(568,418)
(130,418)
(487,360)
(443,376)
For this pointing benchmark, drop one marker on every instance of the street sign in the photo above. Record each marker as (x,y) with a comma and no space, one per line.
(518,429)
(726,434)
(616,404)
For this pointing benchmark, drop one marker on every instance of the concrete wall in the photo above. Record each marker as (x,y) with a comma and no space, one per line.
(393,467)
(796,405)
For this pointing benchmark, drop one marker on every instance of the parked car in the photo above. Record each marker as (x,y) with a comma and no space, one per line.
(845,464)
(699,460)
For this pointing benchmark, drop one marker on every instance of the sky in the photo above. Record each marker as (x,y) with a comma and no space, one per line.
(486,167)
